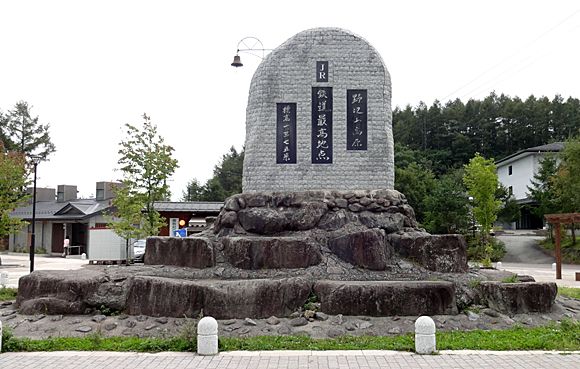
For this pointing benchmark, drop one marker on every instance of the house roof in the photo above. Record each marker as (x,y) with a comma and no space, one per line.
(189,206)
(552,147)
(70,210)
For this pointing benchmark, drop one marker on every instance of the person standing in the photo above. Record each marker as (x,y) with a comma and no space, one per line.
(65,246)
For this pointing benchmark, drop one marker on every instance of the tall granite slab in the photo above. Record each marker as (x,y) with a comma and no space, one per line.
(319,116)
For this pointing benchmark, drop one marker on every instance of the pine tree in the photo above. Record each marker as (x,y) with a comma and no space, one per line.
(25,134)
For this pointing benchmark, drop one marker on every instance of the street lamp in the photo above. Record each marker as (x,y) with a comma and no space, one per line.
(35,159)
(249,45)
(470,198)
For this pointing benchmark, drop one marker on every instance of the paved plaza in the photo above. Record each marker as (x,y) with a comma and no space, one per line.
(292,359)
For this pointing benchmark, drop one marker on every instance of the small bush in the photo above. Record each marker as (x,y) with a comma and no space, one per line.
(8,294)
(476,250)
(511,279)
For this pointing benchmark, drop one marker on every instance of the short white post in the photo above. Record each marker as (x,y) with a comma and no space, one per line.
(1,332)
(553,266)
(83,256)
(4,279)
(207,336)
(498,265)
(425,336)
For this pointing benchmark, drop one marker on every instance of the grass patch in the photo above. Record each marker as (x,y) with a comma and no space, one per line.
(564,336)
(570,252)
(8,294)
(511,279)
(569,292)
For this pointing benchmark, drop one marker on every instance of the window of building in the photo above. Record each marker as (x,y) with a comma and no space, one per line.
(510,170)
(100,195)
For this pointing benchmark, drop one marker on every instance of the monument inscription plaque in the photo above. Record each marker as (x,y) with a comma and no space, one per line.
(356,120)
(342,128)
(321,125)
(286,133)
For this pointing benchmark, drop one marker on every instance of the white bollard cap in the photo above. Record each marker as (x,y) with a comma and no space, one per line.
(207,326)
(424,325)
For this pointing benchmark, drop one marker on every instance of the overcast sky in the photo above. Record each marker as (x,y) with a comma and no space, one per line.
(88,67)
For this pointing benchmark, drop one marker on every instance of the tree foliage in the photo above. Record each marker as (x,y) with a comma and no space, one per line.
(542,190)
(13,179)
(447,206)
(481,181)
(226,180)
(567,181)
(146,163)
(449,134)
(416,183)
(23,132)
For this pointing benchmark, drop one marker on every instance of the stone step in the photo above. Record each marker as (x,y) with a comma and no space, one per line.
(221,299)
(519,298)
(386,298)
(250,252)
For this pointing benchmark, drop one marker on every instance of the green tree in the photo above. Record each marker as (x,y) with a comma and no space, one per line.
(567,181)
(510,209)
(193,191)
(226,180)
(416,183)
(146,163)
(542,190)
(447,206)
(481,181)
(13,178)
(25,134)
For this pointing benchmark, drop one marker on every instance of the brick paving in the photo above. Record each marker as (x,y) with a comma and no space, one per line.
(292,359)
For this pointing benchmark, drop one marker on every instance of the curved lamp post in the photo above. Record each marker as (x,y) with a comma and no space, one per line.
(248,45)
(35,159)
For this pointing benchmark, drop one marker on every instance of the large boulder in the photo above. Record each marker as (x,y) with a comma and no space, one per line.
(306,216)
(389,222)
(262,220)
(440,253)
(258,298)
(193,252)
(363,248)
(386,298)
(518,298)
(58,291)
(250,252)
(156,296)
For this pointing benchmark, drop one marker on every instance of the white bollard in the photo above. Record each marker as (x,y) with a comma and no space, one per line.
(83,256)
(498,265)
(3,279)
(207,336)
(1,332)
(425,336)
(553,266)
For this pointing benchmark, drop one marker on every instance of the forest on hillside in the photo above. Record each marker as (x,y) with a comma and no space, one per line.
(448,135)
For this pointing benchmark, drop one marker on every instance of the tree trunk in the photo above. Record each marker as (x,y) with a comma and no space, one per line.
(573,233)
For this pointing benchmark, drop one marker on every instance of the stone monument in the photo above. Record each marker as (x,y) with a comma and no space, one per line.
(318,217)
(319,116)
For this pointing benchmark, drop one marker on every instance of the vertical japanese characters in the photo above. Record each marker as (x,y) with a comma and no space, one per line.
(356,119)
(286,133)
(321,125)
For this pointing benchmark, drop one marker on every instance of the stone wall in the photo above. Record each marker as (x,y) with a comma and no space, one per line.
(287,75)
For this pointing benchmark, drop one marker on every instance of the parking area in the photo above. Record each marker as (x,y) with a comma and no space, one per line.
(17,265)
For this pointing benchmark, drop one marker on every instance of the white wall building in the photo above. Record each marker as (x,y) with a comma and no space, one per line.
(516,173)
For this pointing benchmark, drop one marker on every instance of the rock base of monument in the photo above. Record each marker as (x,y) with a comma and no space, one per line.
(273,254)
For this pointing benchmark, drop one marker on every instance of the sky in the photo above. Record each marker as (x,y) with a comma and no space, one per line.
(89,67)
